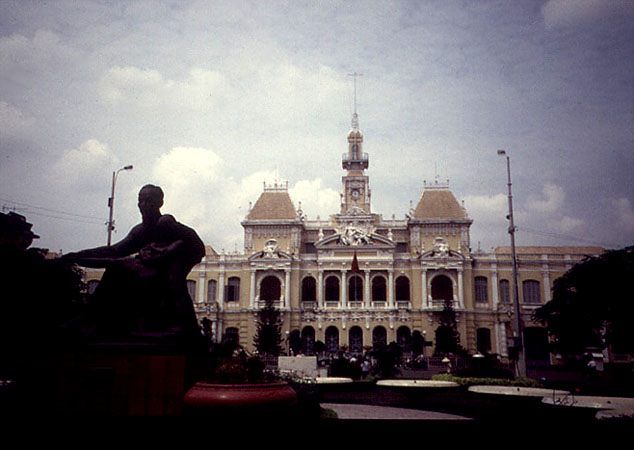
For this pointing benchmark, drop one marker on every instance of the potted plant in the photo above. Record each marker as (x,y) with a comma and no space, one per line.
(236,382)
(233,381)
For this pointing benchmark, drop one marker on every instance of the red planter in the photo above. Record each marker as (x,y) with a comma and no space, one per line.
(218,398)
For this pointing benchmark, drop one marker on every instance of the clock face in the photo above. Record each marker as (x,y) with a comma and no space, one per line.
(355,193)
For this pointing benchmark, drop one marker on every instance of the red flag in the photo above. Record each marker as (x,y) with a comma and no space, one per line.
(355,264)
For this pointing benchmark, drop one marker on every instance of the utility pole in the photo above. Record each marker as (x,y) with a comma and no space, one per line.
(518,338)
(110,223)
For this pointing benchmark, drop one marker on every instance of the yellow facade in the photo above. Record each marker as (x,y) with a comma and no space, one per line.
(406,269)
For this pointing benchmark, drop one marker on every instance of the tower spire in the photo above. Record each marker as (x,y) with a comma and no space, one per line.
(355,116)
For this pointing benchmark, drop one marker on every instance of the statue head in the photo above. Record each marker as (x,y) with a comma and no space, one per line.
(150,201)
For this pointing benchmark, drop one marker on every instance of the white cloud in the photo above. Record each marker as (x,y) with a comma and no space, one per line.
(561,13)
(553,199)
(84,167)
(483,206)
(148,88)
(202,193)
(316,200)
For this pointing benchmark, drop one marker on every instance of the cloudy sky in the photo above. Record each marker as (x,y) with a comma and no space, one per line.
(209,99)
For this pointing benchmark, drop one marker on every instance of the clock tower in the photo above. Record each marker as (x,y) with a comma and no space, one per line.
(355,197)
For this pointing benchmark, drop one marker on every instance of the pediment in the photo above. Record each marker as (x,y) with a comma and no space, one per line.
(449,254)
(343,240)
(270,252)
(265,256)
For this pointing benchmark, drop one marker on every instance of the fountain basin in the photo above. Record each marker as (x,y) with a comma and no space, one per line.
(417,383)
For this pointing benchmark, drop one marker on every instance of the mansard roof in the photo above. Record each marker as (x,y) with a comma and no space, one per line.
(273,205)
(438,203)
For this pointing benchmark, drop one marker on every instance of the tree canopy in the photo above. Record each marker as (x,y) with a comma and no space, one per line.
(268,335)
(447,335)
(592,305)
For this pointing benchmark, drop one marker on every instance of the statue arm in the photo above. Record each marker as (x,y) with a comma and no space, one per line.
(127,246)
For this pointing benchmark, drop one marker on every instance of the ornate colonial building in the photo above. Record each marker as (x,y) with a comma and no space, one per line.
(357,279)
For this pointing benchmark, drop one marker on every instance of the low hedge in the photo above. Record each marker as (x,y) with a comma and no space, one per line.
(472,381)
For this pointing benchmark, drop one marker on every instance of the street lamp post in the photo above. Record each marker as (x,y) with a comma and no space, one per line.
(519,339)
(110,223)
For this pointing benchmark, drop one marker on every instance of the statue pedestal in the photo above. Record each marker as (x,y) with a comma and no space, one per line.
(107,380)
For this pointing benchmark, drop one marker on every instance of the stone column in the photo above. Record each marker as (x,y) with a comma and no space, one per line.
(494,286)
(390,287)
(425,300)
(320,289)
(287,288)
(460,289)
(201,287)
(252,290)
(343,301)
(545,279)
(366,290)
(221,288)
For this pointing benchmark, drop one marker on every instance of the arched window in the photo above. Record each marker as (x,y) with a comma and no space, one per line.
(379,337)
(191,289)
(355,288)
(332,289)
(232,293)
(379,291)
(270,289)
(483,340)
(355,340)
(332,339)
(402,289)
(505,291)
(308,340)
(531,291)
(441,288)
(309,290)
(481,290)
(211,290)
(404,338)
(92,286)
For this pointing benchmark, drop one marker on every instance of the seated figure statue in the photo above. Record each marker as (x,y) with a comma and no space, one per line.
(143,291)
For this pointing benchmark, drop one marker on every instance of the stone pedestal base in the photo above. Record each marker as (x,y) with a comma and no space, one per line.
(110,383)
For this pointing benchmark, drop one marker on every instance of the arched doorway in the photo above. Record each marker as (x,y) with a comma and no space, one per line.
(402,289)
(309,289)
(355,288)
(483,340)
(332,289)
(441,288)
(270,289)
(379,337)
(404,338)
(355,340)
(308,340)
(332,339)
(379,289)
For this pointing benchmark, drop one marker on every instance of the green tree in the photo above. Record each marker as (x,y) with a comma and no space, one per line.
(592,305)
(268,335)
(447,335)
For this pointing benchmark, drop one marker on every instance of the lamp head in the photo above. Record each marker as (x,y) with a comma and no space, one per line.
(501,152)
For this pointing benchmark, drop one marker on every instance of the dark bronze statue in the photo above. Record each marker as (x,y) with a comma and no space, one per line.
(143,292)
